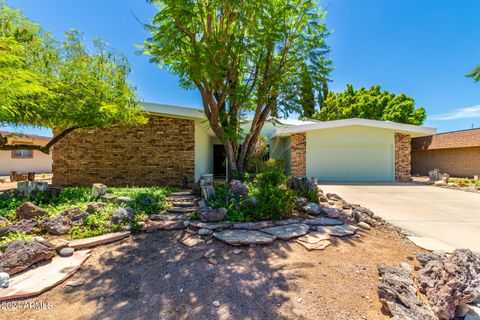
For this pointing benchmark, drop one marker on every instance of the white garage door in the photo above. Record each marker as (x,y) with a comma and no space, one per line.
(353,162)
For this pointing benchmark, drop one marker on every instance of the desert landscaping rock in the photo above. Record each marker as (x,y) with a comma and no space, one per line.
(95,207)
(243,237)
(74,283)
(450,282)
(63,223)
(398,295)
(29,211)
(323,221)
(364,225)
(122,215)
(332,212)
(66,252)
(208,225)
(190,241)
(163,225)
(98,240)
(313,208)
(288,231)
(98,190)
(237,251)
(21,254)
(288,221)
(253,225)
(123,200)
(315,241)
(182,210)
(27,226)
(337,231)
(108,197)
(212,215)
(300,202)
(216,304)
(204,232)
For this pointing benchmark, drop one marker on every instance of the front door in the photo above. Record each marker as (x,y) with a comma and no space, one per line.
(219,161)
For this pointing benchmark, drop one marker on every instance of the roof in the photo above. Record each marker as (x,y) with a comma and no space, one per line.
(170,110)
(25,136)
(413,130)
(454,139)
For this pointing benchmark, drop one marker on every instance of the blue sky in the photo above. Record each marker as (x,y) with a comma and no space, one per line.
(421,48)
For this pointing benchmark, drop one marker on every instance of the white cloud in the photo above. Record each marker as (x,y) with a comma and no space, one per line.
(461,113)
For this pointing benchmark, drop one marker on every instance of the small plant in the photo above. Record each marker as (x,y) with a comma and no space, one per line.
(14,236)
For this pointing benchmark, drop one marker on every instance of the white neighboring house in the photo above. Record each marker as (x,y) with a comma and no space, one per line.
(24,161)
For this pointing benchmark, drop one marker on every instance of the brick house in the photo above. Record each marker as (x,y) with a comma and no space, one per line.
(177,146)
(457,153)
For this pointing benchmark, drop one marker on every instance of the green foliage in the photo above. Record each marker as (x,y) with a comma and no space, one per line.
(60,85)
(307,95)
(475,74)
(311,195)
(141,198)
(273,199)
(14,236)
(372,104)
(95,224)
(242,56)
(465,182)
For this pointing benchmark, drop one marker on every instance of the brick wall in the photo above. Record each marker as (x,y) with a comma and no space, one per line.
(299,154)
(161,152)
(458,162)
(402,157)
(455,139)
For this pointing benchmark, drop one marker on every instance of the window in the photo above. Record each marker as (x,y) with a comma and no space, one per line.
(21,153)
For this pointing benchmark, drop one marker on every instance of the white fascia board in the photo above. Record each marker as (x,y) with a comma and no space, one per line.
(169,110)
(415,131)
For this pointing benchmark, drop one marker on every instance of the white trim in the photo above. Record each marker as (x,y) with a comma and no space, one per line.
(398,127)
(165,109)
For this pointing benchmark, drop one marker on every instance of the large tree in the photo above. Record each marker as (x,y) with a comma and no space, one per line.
(373,103)
(242,56)
(64,85)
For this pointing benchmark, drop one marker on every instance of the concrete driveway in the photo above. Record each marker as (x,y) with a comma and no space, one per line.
(449,216)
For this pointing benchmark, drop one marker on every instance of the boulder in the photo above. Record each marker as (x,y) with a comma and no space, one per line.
(66,252)
(64,222)
(303,183)
(122,215)
(212,215)
(204,232)
(29,211)
(98,190)
(398,295)
(451,281)
(243,237)
(313,208)
(238,189)
(93,207)
(27,226)
(288,231)
(445,177)
(21,254)
(434,175)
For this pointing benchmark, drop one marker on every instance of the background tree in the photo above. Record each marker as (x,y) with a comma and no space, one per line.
(242,56)
(307,95)
(64,86)
(475,74)
(372,104)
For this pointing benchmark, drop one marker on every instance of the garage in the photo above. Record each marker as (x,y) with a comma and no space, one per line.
(353,153)
(352,150)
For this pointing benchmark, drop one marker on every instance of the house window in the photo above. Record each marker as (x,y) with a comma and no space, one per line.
(22,154)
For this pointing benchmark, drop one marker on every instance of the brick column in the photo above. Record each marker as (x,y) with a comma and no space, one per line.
(402,157)
(299,154)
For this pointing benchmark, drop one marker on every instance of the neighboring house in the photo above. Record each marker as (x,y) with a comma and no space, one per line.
(24,161)
(177,145)
(456,153)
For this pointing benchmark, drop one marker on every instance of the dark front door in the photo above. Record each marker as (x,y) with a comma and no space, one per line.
(219,160)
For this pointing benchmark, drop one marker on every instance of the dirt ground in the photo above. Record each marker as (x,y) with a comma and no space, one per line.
(152,276)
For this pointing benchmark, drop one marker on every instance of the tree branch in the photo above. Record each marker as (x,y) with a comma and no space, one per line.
(45,149)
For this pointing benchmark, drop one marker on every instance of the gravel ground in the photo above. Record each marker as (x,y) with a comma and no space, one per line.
(152,276)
